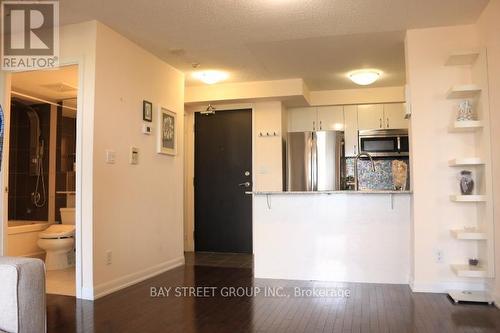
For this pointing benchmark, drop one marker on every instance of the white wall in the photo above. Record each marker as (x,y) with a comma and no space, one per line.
(138,209)
(268,151)
(488,28)
(432,146)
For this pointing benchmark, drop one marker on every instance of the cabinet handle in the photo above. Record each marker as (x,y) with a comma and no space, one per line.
(388,123)
(314,125)
(380,121)
(320,125)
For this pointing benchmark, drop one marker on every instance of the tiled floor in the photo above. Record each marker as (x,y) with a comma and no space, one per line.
(237,260)
(61,282)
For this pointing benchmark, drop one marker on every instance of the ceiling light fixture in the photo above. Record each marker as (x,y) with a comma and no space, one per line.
(364,77)
(210,77)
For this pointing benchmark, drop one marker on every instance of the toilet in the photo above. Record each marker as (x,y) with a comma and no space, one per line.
(58,242)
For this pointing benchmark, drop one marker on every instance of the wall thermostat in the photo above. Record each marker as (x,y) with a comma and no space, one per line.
(147,129)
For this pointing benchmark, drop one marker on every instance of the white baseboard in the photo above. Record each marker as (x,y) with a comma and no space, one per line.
(131,279)
(444,287)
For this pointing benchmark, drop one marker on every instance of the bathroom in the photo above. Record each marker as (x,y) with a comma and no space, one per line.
(42,172)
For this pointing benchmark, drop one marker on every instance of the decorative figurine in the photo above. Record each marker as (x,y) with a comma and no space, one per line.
(465,111)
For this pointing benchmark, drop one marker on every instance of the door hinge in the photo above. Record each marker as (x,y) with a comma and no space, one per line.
(194,181)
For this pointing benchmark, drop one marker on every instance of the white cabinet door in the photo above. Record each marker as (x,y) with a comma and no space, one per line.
(394,116)
(330,118)
(302,119)
(351,130)
(370,116)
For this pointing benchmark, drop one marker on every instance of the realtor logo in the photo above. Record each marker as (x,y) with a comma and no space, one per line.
(30,35)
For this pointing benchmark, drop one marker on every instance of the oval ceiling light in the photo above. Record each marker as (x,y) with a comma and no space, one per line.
(211,76)
(364,77)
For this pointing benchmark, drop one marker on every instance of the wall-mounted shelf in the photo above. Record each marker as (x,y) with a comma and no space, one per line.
(463,91)
(468,198)
(462,58)
(466,161)
(469,271)
(468,235)
(466,126)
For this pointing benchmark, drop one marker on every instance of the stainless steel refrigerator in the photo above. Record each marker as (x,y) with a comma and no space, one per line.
(314,160)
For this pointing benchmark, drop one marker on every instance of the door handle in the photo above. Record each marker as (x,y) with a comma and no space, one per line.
(387,122)
(245,184)
(380,121)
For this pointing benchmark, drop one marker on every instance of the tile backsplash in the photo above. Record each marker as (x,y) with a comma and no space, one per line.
(381,179)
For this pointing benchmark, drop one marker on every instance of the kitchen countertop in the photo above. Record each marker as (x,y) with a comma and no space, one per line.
(329,192)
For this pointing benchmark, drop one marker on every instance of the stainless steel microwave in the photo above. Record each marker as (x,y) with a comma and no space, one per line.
(384,143)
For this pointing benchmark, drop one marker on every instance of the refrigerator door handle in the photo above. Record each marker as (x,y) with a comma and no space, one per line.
(314,161)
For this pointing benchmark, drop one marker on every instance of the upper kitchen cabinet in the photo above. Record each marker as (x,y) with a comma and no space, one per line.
(302,119)
(395,116)
(370,116)
(382,116)
(330,118)
(351,130)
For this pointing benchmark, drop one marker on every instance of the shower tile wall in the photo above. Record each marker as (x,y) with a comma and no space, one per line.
(21,184)
(379,180)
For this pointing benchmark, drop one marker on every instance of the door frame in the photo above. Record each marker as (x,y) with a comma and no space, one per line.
(81,244)
(189,145)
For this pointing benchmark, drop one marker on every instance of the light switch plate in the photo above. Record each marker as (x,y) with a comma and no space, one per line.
(110,156)
(134,155)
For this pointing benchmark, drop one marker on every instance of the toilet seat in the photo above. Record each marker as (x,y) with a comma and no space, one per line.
(58,231)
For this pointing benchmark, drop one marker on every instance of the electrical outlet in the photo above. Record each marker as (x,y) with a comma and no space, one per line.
(109,257)
(439,256)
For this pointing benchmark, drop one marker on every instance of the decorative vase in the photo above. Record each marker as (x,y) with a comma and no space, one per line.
(465,111)
(466,182)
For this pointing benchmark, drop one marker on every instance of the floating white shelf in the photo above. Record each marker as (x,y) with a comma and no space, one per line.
(468,198)
(469,271)
(468,235)
(470,296)
(462,58)
(466,161)
(463,91)
(466,126)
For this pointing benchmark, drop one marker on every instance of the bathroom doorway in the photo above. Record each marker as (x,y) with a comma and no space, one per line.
(42,172)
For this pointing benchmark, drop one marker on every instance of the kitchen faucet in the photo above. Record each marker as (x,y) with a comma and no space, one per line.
(356,185)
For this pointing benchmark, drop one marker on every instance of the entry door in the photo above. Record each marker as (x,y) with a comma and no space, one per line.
(223,166)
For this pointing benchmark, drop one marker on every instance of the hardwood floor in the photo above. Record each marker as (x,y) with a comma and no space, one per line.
(370,307)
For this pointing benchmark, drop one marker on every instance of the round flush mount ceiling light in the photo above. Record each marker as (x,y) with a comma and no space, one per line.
(211,76)
(364,77)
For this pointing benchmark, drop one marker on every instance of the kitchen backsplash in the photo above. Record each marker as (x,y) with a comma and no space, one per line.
(381,179)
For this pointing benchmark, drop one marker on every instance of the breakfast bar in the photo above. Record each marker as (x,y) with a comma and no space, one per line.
(348,236)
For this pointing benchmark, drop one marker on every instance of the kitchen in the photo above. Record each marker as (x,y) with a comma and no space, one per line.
(422,232)
(342,216)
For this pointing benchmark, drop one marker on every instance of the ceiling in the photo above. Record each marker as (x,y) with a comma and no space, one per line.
(317,40)
(51,85)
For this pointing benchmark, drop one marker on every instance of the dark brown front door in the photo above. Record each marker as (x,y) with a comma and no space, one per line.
(223,166)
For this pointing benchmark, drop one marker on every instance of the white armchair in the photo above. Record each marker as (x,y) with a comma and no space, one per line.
(22,295)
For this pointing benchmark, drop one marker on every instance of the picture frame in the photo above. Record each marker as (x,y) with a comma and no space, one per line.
(167,132)
(147,111)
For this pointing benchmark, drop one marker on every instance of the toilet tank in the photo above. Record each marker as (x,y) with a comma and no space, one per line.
(67,215)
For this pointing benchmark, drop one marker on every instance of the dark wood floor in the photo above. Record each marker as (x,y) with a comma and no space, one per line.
(370,308)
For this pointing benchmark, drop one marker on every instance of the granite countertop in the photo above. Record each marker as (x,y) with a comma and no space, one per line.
(330,192)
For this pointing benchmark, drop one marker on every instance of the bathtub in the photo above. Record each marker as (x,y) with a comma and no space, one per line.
(22,237)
